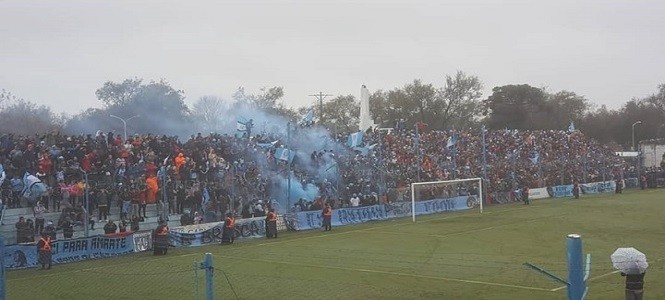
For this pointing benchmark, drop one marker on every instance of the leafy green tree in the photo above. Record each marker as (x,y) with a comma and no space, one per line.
(516,107)
(460,101)
(208,112)
(119,94)
(24,117)
(342,114)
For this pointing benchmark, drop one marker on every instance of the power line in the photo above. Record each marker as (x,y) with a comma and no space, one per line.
(320,96)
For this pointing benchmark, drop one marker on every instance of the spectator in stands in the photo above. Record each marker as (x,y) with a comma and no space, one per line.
(110,227)
(22,231)
(30,233)
(50,231)
(134,226)
(38,211)
(122,224)
(355,201)
(67,228)
(197,218)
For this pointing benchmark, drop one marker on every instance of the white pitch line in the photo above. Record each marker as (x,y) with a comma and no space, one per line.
(395,274)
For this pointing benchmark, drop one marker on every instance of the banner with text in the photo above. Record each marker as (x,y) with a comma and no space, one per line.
(64,251)
(211,233)
(561,191)
(344,216)
(598,187)
(538,193)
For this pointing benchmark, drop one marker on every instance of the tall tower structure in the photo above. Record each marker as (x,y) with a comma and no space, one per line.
(365,118)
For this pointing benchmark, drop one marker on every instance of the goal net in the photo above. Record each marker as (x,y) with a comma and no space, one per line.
(449,195)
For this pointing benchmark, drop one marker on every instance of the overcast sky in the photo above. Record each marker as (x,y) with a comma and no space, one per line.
(58,53)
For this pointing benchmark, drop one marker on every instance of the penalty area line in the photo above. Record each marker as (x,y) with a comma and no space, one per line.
(505,285)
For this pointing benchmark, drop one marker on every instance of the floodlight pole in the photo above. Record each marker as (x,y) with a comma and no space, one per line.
(124,123)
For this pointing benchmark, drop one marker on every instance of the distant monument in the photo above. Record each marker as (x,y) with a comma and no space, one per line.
(366,121)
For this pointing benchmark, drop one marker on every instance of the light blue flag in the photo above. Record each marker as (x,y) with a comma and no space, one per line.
(452,141)
(571,127)
(535,156)
(205,196)
(365,150)
(355,139)
(285,154)
(308,117)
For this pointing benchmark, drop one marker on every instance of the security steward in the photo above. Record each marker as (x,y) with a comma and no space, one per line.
(161,239)
(327,217)
(44,251)
(271,224)
(228,235)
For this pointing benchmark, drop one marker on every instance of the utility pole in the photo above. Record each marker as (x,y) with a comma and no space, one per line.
(320,96)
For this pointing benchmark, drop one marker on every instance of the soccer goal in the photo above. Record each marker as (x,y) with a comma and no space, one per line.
(448,195)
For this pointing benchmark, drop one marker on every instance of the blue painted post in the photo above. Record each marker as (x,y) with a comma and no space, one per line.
(3,290)
(577,285)
(207,265)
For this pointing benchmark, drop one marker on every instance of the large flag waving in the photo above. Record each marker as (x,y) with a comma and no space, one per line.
(355,139)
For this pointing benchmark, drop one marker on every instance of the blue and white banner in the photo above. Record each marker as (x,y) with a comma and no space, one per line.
(73,250)
(344,216)
(561,191)
(598,187)
(211,233)
(240,126)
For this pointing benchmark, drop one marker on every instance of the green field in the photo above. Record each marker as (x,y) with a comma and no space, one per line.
(462,255)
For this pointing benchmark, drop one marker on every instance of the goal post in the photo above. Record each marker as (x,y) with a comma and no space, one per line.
(447,195)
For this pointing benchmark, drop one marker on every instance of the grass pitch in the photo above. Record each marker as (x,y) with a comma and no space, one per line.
(461,255)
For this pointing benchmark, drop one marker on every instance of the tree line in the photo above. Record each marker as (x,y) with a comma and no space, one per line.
(455,103)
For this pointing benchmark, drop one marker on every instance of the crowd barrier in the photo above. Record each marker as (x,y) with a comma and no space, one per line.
(73,250)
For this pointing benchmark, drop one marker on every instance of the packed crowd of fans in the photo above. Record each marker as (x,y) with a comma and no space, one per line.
(206,176)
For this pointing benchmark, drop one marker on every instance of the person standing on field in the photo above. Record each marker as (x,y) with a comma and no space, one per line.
(271,224)
(525,195)
(44,251)
(327,218)
(634,286)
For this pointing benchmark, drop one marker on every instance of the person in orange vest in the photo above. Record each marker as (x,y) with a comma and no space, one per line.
(161,238)
(327,217)
(44,251)
(271,224)
(228,235)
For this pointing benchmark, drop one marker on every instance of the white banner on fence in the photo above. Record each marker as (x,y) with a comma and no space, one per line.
(538,193)
(142,241)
